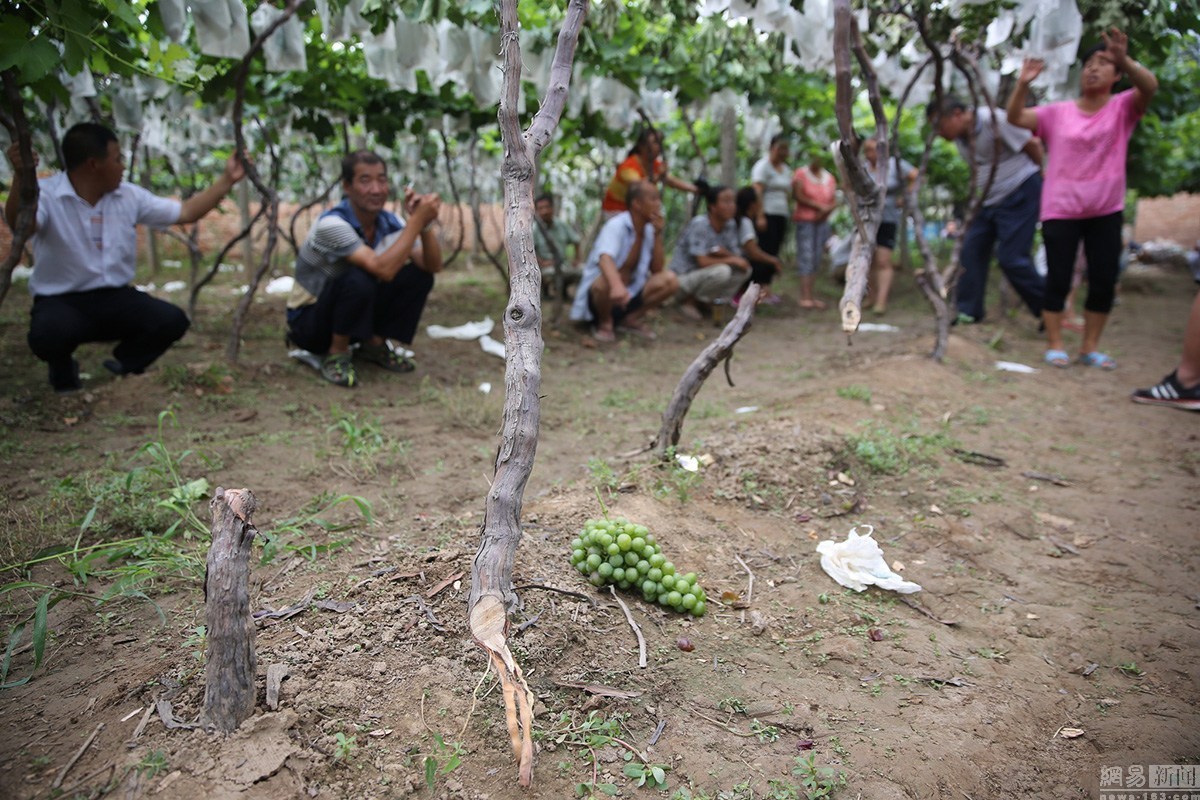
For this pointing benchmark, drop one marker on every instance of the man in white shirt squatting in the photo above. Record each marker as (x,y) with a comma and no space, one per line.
(85,254)
(624,275)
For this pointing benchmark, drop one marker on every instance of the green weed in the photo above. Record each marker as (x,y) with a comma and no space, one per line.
(344,747)
(889,452)
(446,757)
(152,764)
(817,782)
(855,392)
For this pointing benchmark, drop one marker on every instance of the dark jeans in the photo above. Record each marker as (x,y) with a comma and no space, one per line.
(1010,224)
(1101,246)
(358,305)
(143,326)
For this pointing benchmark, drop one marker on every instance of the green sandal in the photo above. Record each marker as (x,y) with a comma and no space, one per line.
(387,358)
(338,369)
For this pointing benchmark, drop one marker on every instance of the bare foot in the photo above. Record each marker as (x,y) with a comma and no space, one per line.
(604,333)
(689,310)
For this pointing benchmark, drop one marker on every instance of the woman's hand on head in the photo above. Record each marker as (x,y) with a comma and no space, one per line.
(1116,44)
(1030,69)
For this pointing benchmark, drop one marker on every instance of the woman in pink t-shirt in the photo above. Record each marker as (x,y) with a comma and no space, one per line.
(1083,197)
(815,192)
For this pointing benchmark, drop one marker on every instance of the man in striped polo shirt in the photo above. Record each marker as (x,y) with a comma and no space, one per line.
(362,275)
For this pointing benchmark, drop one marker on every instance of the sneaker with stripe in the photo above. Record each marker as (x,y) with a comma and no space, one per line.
(1169,392)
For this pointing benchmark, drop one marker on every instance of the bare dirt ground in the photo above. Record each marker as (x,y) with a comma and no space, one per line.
(1074,603)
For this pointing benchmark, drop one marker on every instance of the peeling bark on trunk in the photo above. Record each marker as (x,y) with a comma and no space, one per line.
(229,668)
(492,595)
(721,349)
(18,129)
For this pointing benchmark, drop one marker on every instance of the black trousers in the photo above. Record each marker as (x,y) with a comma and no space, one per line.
(144,327)
(359,305)
(1101,246)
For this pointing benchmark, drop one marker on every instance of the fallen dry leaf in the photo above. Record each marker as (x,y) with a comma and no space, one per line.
(1070,733)
(935,510)
(898,566)
(380,732)
(1062,523)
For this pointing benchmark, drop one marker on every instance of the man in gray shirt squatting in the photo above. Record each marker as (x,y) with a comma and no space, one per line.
(362,275)
(1009,215)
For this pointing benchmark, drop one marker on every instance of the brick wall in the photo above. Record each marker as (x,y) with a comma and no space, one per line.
(1175,218)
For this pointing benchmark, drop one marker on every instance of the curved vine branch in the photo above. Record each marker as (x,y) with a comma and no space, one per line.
(462,220)
(865,191)
(268,193)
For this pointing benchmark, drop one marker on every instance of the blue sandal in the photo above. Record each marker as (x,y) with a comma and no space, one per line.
(1097,359)
(1057,358)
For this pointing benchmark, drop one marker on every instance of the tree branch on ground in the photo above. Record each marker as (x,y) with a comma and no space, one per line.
(721,349)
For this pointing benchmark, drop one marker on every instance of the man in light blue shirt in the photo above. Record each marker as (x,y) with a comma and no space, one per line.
(624,275)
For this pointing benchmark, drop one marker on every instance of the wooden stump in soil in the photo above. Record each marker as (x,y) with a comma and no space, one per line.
(230,664)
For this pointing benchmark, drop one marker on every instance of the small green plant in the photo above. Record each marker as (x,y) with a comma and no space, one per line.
(291,534)
(1131,669)
(603,476)
(733,705)
(180,377)
(344,747)
(445,758)
(197,642)
(674,479)
(885,451)
(652,776)
(361,438)
(855,392)
(152,764)
(764,733)
(817,782)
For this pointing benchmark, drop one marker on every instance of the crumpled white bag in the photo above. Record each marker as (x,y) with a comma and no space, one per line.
(467,333)
(858,563)
(491,346)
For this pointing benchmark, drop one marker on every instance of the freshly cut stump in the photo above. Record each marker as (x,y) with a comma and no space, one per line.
(230,664)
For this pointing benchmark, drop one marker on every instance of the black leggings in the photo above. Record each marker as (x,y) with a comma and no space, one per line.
(1101,246)
(771,239)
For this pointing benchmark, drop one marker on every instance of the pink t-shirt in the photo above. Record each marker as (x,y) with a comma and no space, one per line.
(1085,157)
(821,190)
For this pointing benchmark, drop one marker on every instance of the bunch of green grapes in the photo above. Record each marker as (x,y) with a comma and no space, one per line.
(619,552)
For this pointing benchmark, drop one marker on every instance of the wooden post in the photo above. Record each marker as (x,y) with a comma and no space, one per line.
(720,350)
(229,669)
